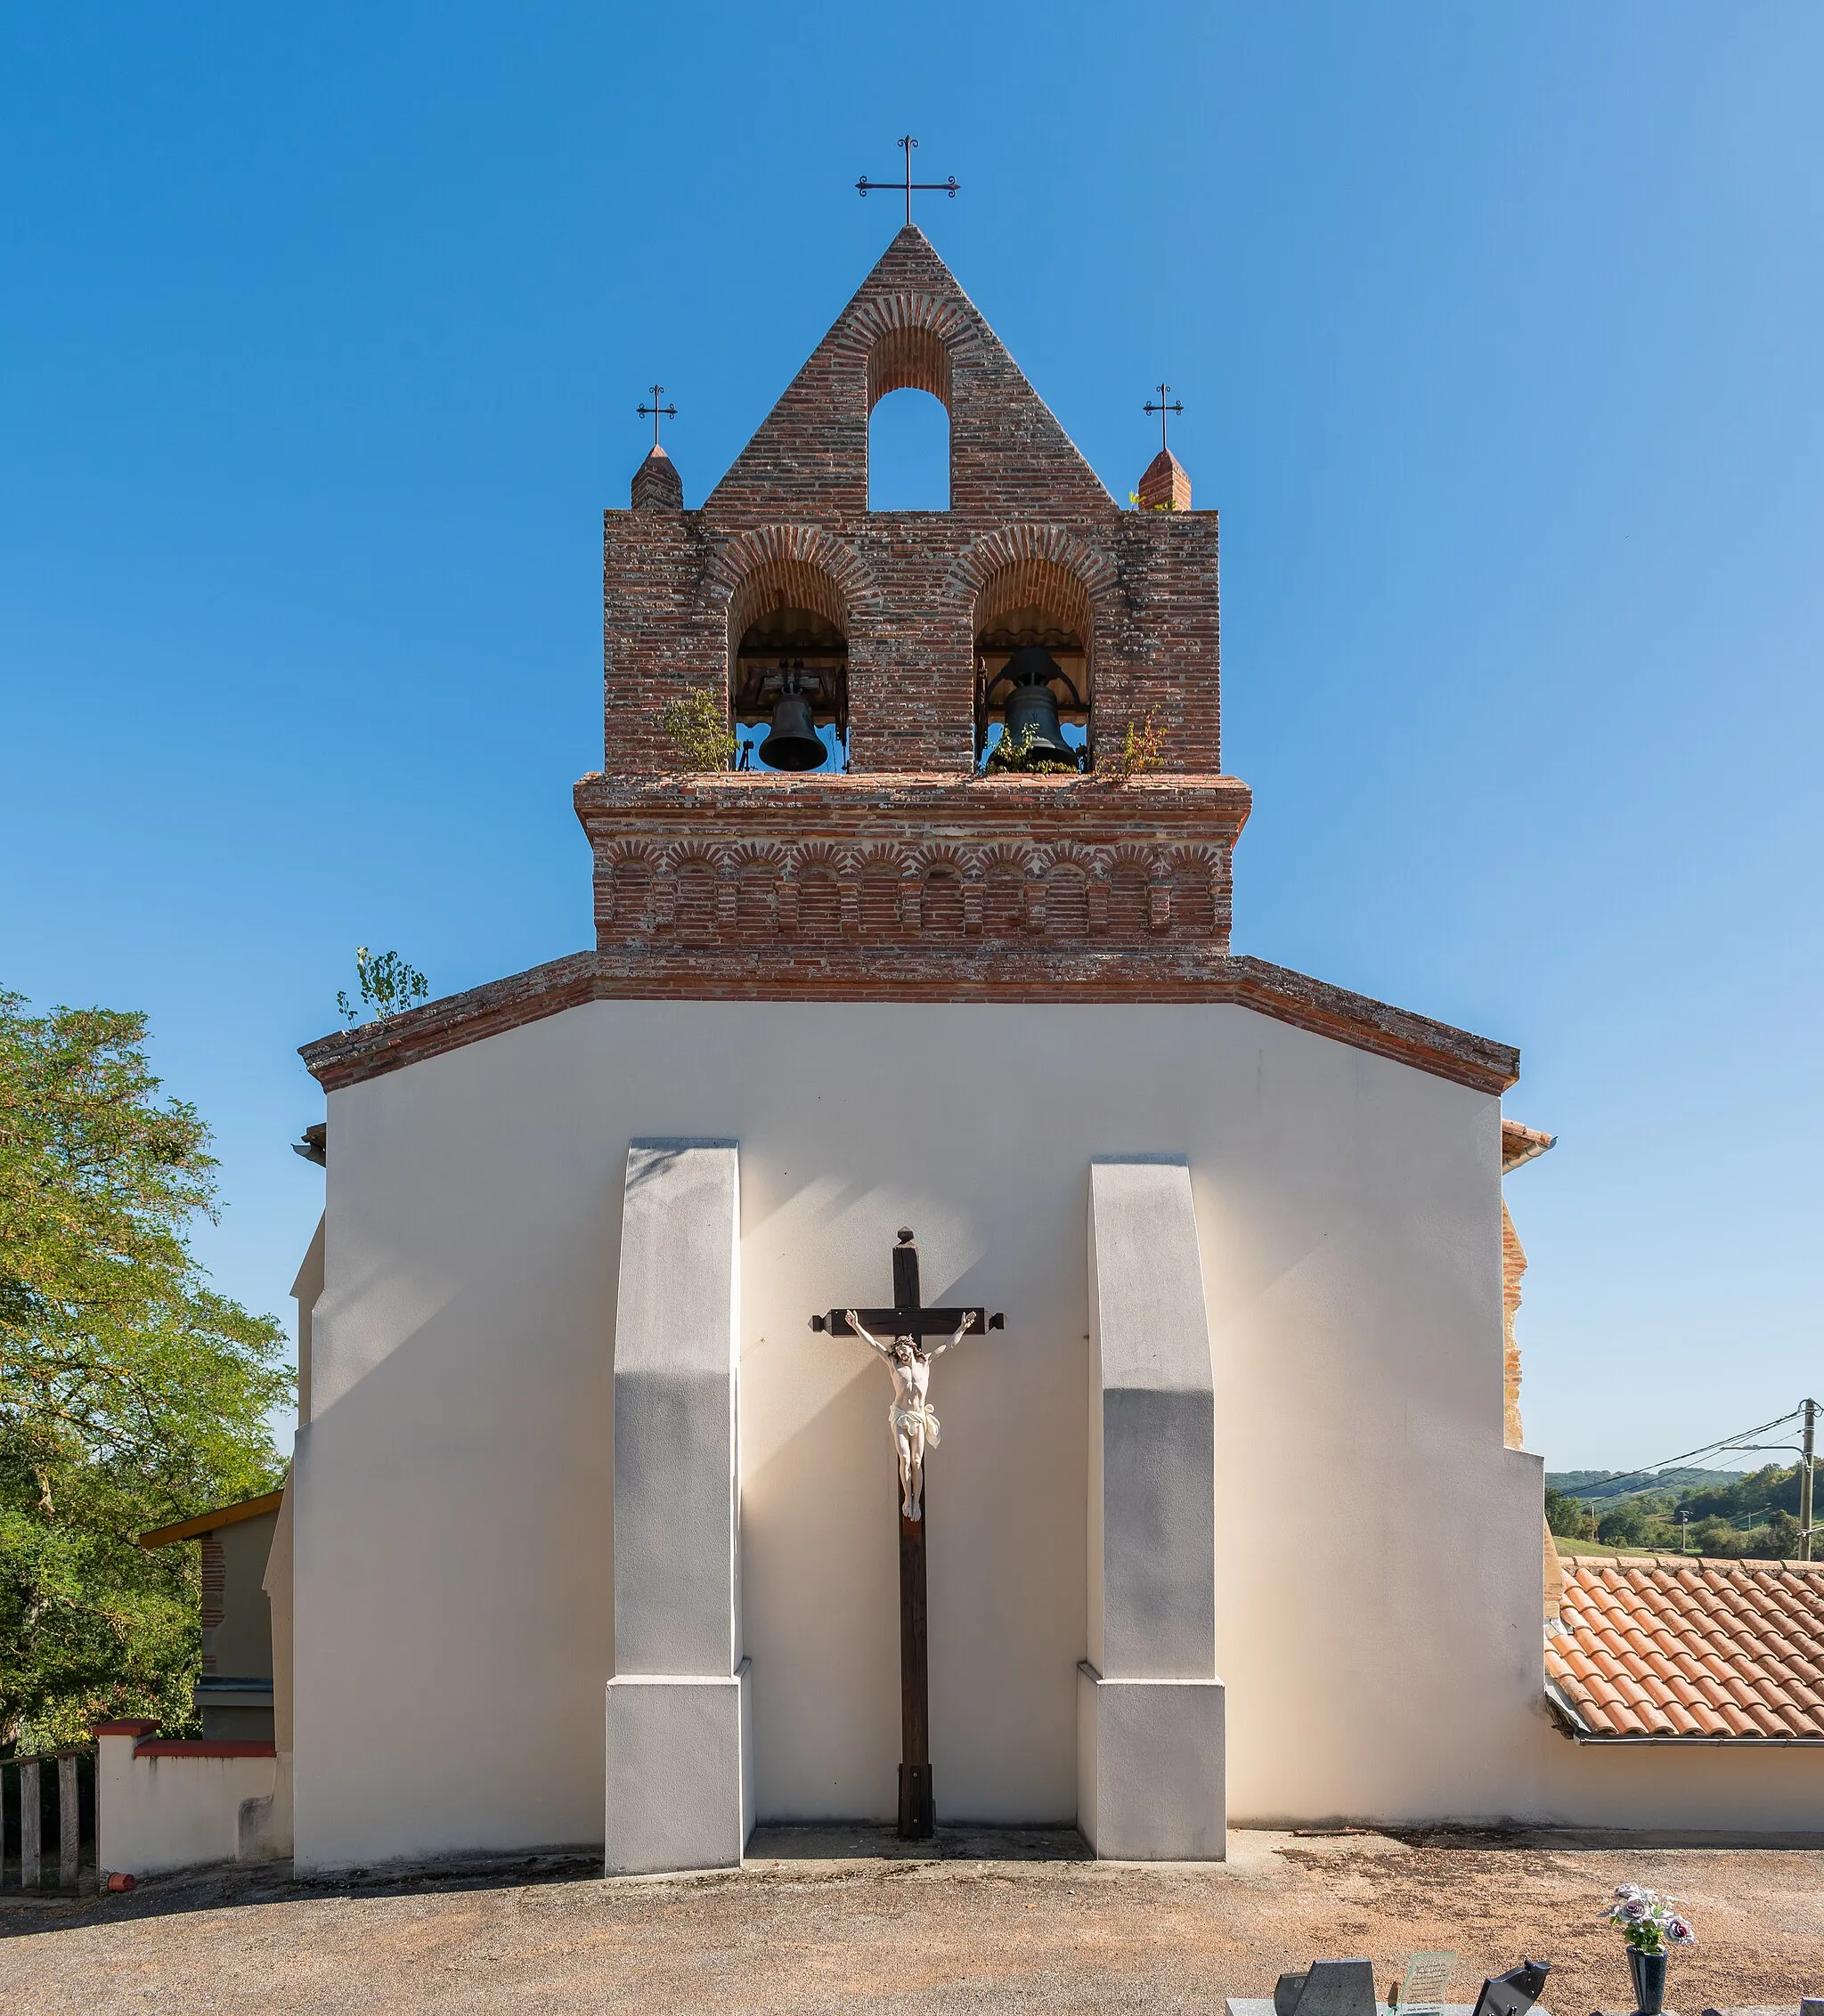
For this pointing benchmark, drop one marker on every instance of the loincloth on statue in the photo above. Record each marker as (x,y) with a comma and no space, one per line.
(906,1419)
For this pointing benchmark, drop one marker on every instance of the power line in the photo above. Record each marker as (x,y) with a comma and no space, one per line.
(1738,1442)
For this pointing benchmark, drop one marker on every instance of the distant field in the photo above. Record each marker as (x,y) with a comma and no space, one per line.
(1585,1483)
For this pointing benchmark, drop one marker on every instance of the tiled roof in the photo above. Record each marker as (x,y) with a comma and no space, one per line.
(1670,1646)
(1519,1144)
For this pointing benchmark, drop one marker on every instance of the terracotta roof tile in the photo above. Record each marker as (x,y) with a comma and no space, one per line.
(1691,1649)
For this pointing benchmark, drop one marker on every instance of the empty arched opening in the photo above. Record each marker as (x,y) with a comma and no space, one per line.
(1033,653)
(788,669)
(908,422)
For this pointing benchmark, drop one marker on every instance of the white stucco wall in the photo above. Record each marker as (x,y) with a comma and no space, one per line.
(1686,1788)
(1377,1611)
(158,1813)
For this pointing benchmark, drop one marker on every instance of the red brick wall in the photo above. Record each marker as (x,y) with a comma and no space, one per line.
(214,1574)
(907,582)
(887,884)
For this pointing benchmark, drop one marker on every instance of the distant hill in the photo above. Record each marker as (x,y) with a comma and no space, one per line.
(1589,1483)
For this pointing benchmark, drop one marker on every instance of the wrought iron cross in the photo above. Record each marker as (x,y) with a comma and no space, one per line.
(1161,409)
(906,141)
(655,410)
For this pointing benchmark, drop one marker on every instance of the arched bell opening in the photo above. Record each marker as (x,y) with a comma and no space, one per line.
(789,671)
(909,439)
(1033,655)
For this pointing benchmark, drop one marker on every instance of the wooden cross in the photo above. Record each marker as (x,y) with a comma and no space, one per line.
(908,1317)
(1161,409)
(655,410)
(906,141)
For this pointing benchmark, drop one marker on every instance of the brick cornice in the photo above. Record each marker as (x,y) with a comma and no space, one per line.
(348,1057)
(764,801)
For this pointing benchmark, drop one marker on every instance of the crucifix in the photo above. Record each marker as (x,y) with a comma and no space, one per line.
(1161,409)
(906,141)
(653,411)
(914,1429)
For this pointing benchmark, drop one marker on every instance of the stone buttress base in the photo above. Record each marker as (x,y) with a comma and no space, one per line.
(1150,1768)
(680,1773)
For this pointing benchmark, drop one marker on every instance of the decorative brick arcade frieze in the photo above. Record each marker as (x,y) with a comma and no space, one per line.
(914,887)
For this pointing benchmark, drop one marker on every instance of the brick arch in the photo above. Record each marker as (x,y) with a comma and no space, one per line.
(824,857)
(941,856)
(1049,552)
(1034,580)
(909,341)
(881,859)
(789,568)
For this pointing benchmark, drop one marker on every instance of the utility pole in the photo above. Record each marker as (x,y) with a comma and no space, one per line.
(1806,1484)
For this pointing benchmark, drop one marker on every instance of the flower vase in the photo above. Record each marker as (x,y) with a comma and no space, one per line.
(1649,1970)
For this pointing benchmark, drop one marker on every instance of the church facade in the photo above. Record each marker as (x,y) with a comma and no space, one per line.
(593,1536)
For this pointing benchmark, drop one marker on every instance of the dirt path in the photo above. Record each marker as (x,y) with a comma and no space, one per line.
(846,1922)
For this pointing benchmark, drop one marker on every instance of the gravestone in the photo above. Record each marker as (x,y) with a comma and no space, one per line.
(1327,1987)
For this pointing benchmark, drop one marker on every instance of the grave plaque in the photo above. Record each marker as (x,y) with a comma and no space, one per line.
(1427,1980)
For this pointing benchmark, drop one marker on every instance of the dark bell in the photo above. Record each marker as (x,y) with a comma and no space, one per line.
(1031,706)
(793,742)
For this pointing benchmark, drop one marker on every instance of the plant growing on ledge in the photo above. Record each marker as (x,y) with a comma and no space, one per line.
(389,987)
(1141,748)
(696,725)
(1020,755)
(1140,503)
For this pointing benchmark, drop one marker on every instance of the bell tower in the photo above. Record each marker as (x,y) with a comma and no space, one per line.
(980,748)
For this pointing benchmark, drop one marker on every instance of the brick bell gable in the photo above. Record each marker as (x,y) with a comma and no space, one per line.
(788,525)
(911,878)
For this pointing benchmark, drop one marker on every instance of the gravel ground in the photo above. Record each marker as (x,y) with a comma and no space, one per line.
(846,1919)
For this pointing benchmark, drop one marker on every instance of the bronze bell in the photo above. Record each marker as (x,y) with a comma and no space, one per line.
(793,742)
(1032,707)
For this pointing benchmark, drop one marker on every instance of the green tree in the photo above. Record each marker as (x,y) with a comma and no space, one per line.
(1716,1536)
(131,1393)
(1568,1516)
(1625,1526)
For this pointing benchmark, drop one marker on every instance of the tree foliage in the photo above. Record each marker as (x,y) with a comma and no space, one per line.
(131,1393)
(1752,1515)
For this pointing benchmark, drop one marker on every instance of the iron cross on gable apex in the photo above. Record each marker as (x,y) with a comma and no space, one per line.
(907,141)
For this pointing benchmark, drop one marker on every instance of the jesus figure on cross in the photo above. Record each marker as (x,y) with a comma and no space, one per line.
(914,1424)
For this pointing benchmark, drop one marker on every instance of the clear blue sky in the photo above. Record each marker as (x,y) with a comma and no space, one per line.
(1498,330)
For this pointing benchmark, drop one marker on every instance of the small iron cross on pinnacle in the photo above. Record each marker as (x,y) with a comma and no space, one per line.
(1161,409)
(653,411)
(908,185)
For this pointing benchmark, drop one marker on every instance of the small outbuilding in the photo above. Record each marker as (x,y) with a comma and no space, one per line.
(234,1693)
